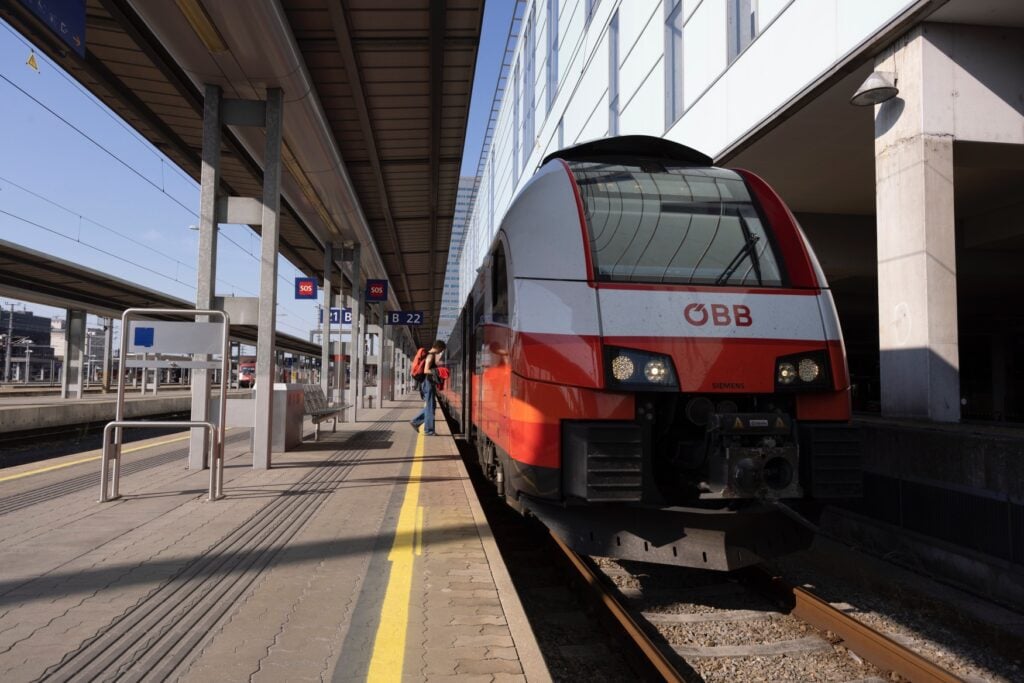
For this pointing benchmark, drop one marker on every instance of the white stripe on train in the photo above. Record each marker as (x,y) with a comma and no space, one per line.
(573,307)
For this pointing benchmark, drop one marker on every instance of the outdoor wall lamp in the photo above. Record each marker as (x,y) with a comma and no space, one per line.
(879,87)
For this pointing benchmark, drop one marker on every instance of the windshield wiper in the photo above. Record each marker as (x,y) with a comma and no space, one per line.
(749,248)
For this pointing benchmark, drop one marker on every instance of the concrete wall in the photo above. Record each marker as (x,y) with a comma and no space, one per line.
(946,499)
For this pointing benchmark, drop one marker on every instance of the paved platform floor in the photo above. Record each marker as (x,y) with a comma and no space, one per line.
(362,557)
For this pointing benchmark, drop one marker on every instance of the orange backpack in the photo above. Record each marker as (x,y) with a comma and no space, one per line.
(418,361)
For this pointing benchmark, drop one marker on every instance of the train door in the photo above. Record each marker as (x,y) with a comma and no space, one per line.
(479,316)
(467,324)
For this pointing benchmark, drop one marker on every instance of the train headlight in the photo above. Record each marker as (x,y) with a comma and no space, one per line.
(656,371)
(786,373)
(623,366)
(808,370)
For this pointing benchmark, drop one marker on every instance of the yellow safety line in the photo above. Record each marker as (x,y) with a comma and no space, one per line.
(89,459)
(389,644)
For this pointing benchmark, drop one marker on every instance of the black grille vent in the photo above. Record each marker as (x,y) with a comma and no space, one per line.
(834,455)
(603,463)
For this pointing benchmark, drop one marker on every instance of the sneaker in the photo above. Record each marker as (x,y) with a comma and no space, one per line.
(430,433)
(415,427)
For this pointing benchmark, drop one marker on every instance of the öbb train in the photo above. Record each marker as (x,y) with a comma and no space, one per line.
(650,359)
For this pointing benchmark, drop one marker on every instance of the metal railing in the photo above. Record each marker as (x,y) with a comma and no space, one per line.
(112,449)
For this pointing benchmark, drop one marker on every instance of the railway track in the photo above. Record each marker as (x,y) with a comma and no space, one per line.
(677,624)
(34,445)
(748,625)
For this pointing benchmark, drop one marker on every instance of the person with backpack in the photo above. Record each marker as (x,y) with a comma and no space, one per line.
(430,383)
(417,373)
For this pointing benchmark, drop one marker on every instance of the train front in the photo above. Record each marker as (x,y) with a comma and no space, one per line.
(718,330)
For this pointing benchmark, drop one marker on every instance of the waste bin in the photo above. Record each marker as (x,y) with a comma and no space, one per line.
(289,407)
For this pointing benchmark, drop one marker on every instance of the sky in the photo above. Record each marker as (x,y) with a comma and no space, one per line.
(78,183)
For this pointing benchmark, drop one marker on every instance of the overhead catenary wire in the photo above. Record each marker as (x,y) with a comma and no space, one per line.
(111,254)
(59,70)
(160,187)
(127,165)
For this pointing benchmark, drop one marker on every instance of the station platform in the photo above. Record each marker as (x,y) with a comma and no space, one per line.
(26,411)
(364,556)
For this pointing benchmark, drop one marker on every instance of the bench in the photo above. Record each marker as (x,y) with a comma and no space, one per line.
(318,409)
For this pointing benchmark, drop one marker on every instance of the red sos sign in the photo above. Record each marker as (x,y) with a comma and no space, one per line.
(718,315)
(376,290)
(305,288)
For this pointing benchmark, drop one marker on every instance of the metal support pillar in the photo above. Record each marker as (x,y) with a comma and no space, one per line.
(108,353)
(206,264)
(267,323)
(325,352)
(358,333)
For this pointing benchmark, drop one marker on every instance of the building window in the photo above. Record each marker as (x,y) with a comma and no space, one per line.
(742,26)
(673,62)
(590,8)
(515,125)
(552,72)
(613,75)
(529,80)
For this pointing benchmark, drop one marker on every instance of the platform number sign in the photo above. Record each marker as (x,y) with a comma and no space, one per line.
(339,316)
(376,290)
(305,288)
(403,318)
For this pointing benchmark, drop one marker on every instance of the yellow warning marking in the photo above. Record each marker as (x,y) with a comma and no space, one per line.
(389,643)
(31,61)
(738,424)
(89,459)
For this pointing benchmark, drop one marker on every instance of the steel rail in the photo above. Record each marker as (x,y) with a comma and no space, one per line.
(651,653)
(865,641)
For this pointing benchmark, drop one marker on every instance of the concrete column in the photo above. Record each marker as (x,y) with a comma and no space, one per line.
(108,353)
(74,355)
(206,263)
(325,355)
(358,333)
(339,368)
(917,302)
(267,322)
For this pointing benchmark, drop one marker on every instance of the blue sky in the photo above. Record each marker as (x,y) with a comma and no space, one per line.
(79,183)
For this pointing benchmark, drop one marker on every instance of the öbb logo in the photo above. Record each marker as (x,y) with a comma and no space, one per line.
(720,315)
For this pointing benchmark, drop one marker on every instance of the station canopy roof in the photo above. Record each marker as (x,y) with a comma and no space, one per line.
(376,102)
(34,276)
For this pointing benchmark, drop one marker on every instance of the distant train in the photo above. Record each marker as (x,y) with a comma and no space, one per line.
(650,359)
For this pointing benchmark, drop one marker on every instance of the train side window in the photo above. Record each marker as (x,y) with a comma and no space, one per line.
(499,287)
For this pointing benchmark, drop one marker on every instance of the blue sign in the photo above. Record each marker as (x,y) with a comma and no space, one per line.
(305,288)
(339,316)
(66,18)
(144,336)
(376,290)
(403,318)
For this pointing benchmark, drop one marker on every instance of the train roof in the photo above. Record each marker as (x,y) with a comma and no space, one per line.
(637,146)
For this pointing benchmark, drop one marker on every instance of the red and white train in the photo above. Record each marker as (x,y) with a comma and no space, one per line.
(650,359)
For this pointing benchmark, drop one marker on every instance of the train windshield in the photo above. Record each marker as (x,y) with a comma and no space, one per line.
(674,226)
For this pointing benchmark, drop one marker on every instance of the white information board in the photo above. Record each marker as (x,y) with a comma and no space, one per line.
(161,336)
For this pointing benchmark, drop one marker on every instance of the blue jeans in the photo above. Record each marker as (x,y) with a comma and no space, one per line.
(426,416)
